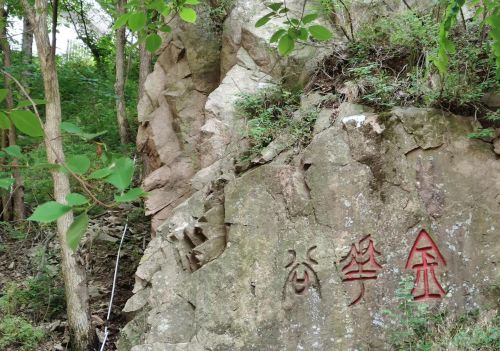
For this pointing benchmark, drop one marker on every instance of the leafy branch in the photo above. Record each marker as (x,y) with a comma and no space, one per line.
(143,18)
(294,29)
(117,172)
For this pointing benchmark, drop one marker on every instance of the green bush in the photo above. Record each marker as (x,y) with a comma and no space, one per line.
(269,113)
(390,64)
(19,333)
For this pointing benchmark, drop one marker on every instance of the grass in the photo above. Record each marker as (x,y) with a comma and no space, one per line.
(272,112)
(19,333)
(390,64)
(417,327)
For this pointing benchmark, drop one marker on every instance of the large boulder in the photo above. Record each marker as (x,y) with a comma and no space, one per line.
(272,259)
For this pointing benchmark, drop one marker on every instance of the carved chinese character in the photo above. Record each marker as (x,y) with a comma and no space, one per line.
(424,258)
(361,265)
(302,275)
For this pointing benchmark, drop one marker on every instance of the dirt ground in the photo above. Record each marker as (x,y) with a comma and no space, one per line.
(21,258)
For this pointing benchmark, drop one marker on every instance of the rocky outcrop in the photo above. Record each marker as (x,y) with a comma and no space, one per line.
(187,118)
(300,248)
(278,281)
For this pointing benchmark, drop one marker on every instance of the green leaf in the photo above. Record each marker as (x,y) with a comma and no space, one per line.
(275,6)
(165,28)
(187,14)
(78,164)
(26,103)
(158,5)
(100,173)
(74,129)
(309,18)
(153,42)
(286,45)
(166,12)
(121,21)
(320,33)
(6,183)
(137,21)
(192,2)
(131,195)
(303,34)
(13,151)
(75,199)
(122,171)
(3,94)
(26,122)
(4,121)
(262,21)
(277,35)
(71,128)
(49,212)
(77,230)
(293,33)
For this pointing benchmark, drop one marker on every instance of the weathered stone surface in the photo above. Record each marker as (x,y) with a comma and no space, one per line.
(276,284)
(249,256)
(188,124)
(496,146)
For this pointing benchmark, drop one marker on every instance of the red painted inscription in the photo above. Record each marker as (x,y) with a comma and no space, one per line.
(424,258)
(360,264)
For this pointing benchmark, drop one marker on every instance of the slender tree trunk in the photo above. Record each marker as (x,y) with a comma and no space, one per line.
(75,282)
(27,51)
(4,45)
(121,112)
(144,66)
(6,204)
(145,58)
(18,190)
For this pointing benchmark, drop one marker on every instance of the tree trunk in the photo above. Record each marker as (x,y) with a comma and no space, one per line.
(145,58)
(121,113)
(75,282)
(17,194)
(6,204)
(27,51)
(4,45)
(144,67)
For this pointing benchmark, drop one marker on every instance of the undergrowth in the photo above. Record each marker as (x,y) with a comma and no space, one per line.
(40,296)
(390,64)
(415,326)
(19,333)
(272,112)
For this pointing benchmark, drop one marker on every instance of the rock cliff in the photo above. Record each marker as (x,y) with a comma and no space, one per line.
(303,249)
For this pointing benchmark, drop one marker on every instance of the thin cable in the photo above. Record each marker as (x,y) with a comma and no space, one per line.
(106,332)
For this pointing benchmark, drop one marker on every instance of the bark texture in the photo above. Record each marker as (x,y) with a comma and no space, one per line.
(121,113)
(16,196)
(145,59)
(73,273)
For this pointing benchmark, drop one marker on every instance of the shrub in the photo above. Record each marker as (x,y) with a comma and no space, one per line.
(269,113)
(19,333)
(390,63)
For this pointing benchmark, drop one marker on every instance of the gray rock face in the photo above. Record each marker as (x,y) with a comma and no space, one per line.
(283,276)
(305,250)
(187,119)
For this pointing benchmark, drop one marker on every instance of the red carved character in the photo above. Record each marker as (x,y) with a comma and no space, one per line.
(361,264)
(423,259)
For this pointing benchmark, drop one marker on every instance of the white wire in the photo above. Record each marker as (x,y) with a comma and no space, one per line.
(106,332)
